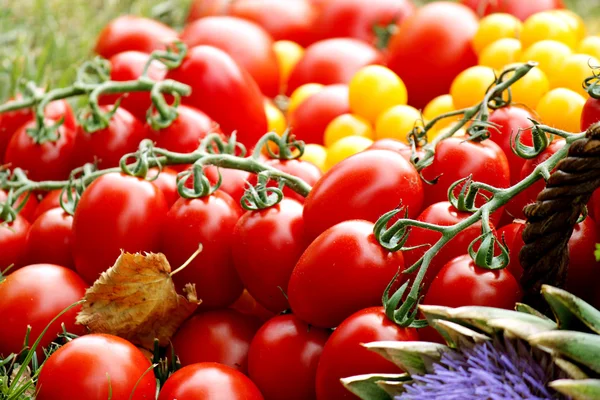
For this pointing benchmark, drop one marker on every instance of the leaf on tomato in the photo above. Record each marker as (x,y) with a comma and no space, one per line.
(136,300)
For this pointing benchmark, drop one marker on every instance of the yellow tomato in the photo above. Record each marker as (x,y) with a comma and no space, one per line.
(374,89)
(316,154)
(530,88)
(397,122)
(549,54)
(288,54)
(575,22)
(347,125)
(574,70)
(561,108)
(302,93)
(494,27)
(501,53)
(440,105)
(590,45)
(275,118)
(547,25)
(469,87)
(344,148)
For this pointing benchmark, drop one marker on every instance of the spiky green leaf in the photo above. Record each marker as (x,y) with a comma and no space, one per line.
(569,308)
(572,370)
(478,317)
(412,357)
(578,389)
(519,329)
(580,347)
(458,335)
(366,386)
(527,309)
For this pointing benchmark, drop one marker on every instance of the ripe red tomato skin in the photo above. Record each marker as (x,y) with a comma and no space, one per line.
(430,39)
(392,145)
(116,212)
(34,295)
(332,61)
(13,242)
(29,209)
(233,181)
(283,358)
(221,336)
(209,381)
(345,268)
(304,170)
(590,113)
(344,355)
(268,245)
(462,283)
(364,186)
(49,239)
(166,182)
(225,91)
(130,32)
(247,305)
(210,221)
(86,361)
(309,120)
(518,8)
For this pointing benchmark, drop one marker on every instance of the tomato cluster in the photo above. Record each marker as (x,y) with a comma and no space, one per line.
(290,292)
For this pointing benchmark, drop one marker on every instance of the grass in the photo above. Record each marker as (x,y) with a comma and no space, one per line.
(46,40)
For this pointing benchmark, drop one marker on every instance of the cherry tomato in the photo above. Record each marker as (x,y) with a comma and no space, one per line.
(49,239)
(116,212)
(547,26)
(209,381)
(562,109)
(574,70)
(590,113)
(275,118)
(304,170)
(393,145)
(302,93)
(347,125)
(247,305)
(462,283)
(470,86)
(332,61)
(221,336)
(345,268)
(29,210)
(590,45)
(344,355)
(397,122)
(550,55)
(440,105)
(233,181)
(13,241)
(129,32)
(246,42)
(225,91)
(435,47)
(283,358)
(364,186)
(33,296)
(518,8)
(315,154)
(530,89)
(501,53)
(205,8)
(288,54)
(344,148)
(91,362)
(166,182)
(495,27)
(208,221)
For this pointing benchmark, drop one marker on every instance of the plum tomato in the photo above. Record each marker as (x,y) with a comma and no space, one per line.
(166,181)
(247,305)
(590,113)
(304,170)
(29,210)
(49,239)
(233,181)
(13,242)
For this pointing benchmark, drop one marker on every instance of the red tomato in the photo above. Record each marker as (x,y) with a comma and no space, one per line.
(129,32)
(233,181)
(246,42)
(208,221)
(123,135)
(309,120)
(116,212)
(332,61)
(209,381)
(166,181)
(29,210)
(393,145)
(205,8)
(344,355)
(589,115)
(268,244)
(462,283)
(304,170)
(129,65)
(89,362)
(434,42)
(357,18)
(364,186)
(284,356)
(221,336)
(51,200)
(13,240)
(285,20)
(49,239)
(519,8)
(342,271)
(246,304)
(33,296)
(509,233)
(225,91)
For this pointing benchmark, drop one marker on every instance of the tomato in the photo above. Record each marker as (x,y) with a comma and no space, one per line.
(247,305)
(435,47)
(205,8)
(519,8)
(166,182)
(344,148)
(462,283)
(276,121)
(344,268)
(302,93)
(344,355)
(397,122)
(91,362)
(33,296)
(315,154)
(347,125)
(574,70)
(13,239)
(49,239)
(208,221)
(283,358)
(495,27)
(288,54)
(356,18)
(268,245)
(246,42)
(501,53)
(221,336)
(364,186)
(225,91)
(106,146)
(209,381)
(530,89)
(590,45)
(547,26)
(129,65)
(129,32)
(233,181)
(456,159)
(561,108)
(590,113)
(332,61)
(116,212)
(550,55)
(470,86)
(292,20)
(393,145)
(51,200)
(304,170)
(310,119)
(29,210)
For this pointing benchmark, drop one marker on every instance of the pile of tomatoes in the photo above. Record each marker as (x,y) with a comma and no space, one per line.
(274,283)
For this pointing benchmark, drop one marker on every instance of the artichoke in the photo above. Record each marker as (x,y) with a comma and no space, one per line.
(493,353)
